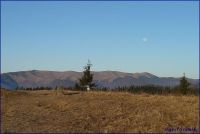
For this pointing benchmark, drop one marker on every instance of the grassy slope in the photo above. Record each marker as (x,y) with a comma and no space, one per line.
(53,111)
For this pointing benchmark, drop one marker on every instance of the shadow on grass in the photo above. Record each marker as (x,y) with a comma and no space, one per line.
(73,93)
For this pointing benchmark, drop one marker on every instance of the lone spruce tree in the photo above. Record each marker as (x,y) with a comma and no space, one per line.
(184,85)
(85,82)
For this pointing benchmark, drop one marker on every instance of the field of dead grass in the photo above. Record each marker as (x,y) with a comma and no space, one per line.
(67,111)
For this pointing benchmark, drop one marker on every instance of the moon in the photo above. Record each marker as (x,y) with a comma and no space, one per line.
(144,39)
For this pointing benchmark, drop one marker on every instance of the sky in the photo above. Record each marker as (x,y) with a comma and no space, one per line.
(161,38)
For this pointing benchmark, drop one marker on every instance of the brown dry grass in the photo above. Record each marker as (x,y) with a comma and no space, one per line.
(58,111)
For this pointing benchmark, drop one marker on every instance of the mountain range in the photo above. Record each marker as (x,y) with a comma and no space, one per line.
(109,79)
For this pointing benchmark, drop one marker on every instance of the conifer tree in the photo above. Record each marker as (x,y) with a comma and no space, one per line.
(86,80)
(184,85)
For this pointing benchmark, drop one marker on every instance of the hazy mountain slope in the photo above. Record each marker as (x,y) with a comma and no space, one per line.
(111,79)
(43,78)
(7,82)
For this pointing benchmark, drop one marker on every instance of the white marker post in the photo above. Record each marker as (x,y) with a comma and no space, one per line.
(88,88)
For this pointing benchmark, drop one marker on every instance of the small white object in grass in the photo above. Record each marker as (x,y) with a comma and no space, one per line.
(88,88)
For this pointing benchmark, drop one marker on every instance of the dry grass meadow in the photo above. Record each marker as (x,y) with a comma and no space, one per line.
(67,111)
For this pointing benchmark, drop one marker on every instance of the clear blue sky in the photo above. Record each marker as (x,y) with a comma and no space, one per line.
(156,37)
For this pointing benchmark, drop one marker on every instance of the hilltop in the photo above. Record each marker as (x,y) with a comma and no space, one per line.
(69,111)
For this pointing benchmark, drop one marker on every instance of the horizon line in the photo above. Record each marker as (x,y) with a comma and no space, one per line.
(95,71)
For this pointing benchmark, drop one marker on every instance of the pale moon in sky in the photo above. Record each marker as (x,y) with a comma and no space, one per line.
(144,39)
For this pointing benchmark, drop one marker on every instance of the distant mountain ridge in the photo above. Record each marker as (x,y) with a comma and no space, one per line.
(110,79)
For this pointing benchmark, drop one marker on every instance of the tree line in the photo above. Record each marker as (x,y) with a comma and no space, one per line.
(35,88)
